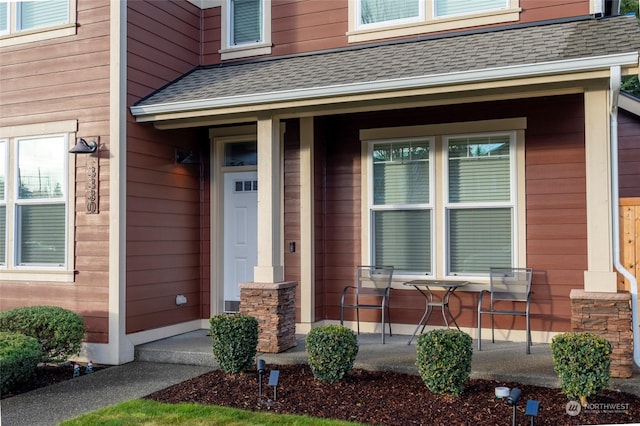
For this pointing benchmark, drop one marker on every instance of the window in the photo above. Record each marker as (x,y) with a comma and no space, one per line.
(401,204)
(246,28)
(26,21)
(456,7)
(33,203)
(441,204)
(377,19)
(372,12)
(480,204)
(3,202)
(246,22)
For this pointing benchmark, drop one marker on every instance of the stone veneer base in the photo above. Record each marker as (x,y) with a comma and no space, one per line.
(274,306)
(607,315)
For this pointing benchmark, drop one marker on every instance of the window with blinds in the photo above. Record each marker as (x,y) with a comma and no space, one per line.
(39,14)
(401,205)
(4,18)
(3,201)
(40,202)
(480,204)
(389,11)
(246,21)
(460,7)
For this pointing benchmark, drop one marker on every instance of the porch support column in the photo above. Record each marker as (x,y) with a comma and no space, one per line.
(307,246)
(269,268)
(600,276)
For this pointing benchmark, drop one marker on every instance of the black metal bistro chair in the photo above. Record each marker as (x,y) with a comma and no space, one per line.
(371,291)
(506,286)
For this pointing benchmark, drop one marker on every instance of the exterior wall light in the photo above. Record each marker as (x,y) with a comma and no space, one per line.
(84,147)
(186,157)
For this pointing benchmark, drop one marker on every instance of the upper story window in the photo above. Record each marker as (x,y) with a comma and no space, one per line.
(26,21)
(377,19)
(387,12)
(246,28)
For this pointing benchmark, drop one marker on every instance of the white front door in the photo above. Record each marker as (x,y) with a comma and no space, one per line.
(240,234)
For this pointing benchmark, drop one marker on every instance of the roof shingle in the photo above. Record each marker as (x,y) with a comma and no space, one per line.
(431,56)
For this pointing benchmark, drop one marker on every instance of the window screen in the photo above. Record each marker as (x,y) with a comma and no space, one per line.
(480,212)
(401,215)
(460,7)
(40,205)
(246,21)
(374,11)
(37,14)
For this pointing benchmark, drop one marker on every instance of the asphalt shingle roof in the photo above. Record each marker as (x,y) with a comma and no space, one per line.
(430,56)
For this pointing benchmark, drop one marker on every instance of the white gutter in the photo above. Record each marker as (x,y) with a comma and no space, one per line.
(471,76)
(614,90)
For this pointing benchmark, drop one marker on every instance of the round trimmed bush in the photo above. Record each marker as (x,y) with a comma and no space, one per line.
(581,361)
(331,352)
(19,357)
(235,341)
(59,331)
(444,360)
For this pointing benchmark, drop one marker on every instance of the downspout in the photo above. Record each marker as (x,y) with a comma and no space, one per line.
(614,90)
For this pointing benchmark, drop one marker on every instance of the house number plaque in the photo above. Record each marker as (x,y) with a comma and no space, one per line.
(91,194)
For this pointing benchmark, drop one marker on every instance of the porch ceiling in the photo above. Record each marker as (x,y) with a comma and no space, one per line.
(495,63)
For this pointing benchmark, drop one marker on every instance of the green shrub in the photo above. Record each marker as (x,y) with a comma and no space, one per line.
(444,360)
(235,341)
(59,331)
(581,361)
(331,352)
(19,357)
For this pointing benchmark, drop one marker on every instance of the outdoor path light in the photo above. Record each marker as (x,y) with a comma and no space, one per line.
(513,400)
(261,370)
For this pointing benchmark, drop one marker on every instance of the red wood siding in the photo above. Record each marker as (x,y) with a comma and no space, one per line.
(166,236)
(67,78)
(299,26)
(292,207)
(629,154)
(556,206)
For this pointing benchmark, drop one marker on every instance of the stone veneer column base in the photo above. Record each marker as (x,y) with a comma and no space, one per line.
(607,315)
(274,306)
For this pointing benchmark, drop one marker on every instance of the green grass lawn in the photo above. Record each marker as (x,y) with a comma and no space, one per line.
(145,412)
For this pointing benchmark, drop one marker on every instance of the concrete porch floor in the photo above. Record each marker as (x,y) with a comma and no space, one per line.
(502,361)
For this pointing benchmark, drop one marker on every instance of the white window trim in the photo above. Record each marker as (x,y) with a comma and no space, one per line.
(229,51)
(439,132)
(63,274)
(428,24)
(14,37)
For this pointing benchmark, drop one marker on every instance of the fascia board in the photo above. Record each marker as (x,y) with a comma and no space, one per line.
(461,77)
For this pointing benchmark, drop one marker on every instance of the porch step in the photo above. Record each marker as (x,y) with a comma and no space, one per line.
(192,348)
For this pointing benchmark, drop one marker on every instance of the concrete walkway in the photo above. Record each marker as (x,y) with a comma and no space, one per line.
(166,362)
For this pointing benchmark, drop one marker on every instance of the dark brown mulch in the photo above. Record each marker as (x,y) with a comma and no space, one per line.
(393,399)
(47,375)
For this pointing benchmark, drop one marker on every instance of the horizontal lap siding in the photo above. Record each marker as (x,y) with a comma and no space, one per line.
(299,26)
(555,201)
(292,172)
(67,78)
(629,157)
(165,212)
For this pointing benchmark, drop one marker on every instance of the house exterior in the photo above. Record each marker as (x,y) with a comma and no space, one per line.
(275,141)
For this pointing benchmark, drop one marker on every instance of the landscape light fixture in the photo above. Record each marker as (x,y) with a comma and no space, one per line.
(84,147)
(262,368)
(512,399)
(187,157)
